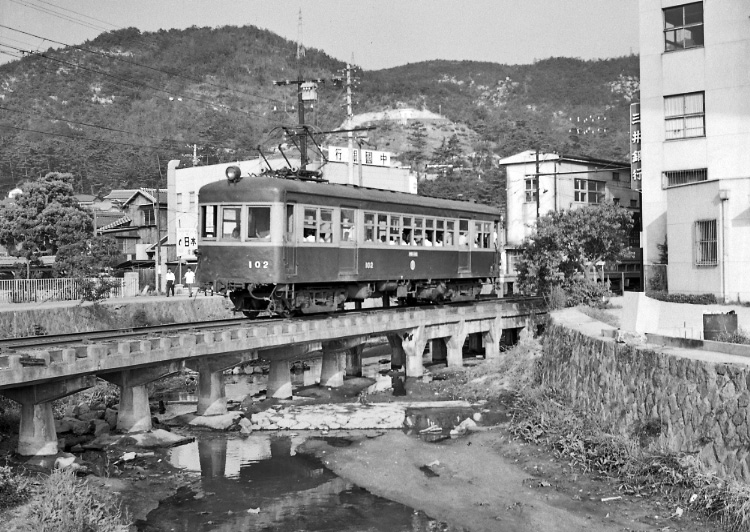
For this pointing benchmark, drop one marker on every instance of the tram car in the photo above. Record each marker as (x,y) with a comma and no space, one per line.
(289,247)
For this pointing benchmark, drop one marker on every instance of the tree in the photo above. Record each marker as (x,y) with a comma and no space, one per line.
(567,244)
(43,218)
(417,137)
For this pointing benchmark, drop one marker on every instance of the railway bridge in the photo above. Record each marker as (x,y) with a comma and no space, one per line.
(36,377)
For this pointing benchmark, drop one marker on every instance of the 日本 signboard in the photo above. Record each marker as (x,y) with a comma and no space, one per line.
(187,242)
(635,146)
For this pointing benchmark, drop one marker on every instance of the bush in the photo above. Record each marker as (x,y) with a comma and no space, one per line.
(586,292)
(14,488)
(140,318)
(739,337)
(556,298)
(66,504)
(691,299)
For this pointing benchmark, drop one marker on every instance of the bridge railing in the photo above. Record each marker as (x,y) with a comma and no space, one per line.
(63,289)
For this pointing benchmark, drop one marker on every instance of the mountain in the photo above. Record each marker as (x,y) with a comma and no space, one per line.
(154,95)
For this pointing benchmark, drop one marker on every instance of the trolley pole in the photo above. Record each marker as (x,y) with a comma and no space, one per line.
(349,119)
(536,180)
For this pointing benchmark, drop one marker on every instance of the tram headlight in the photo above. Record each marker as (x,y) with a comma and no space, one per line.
(233,173)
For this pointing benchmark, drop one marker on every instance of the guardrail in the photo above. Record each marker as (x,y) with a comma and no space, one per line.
(62,289)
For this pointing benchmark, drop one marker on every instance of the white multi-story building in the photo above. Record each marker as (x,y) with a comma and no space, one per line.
(695,144)
(538,183)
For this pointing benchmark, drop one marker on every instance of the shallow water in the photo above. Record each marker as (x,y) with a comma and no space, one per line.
(261,483)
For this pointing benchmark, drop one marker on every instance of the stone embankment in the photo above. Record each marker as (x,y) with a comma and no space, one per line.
(32,319)
(688,401)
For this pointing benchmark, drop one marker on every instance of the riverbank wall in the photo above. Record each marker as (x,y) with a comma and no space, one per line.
(71,317)
(690,401)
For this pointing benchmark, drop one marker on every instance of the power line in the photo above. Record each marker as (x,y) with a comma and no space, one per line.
(48,11)
(145,85)
(63,119)
(175,74)
(74,137)
(80,14)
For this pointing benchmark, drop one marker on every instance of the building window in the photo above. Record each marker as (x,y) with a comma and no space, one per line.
(587,191)
(179,202)
(148,216)
(684,116)
(634,203)
(615,176)
(531,190)
(683,27)
(192,198)
(683,177)
(706,249)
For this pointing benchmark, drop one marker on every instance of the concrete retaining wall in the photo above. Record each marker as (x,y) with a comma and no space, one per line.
(69,317)
(696,405)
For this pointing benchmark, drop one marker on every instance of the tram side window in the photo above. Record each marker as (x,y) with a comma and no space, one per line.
(258,223)
(383,228)
(439,232)
(429,232)
(289,230)
(326,226)
(463,233)
(482,232)
(230,223)
(418,234)
(208,221)
(450,227)
(406,231)
(369,227)
(395,233)
(347,225)
(310,227)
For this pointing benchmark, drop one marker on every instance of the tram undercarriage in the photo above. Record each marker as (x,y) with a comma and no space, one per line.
(269,300)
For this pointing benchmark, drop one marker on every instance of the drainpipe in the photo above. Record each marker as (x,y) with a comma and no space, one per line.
(723,197)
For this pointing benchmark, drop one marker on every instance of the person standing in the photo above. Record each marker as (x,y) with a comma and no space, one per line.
(189,280)
(170,281)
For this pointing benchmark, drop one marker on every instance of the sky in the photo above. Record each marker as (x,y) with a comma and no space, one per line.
(373,34)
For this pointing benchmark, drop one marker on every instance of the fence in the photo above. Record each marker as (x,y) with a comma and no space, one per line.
(41,290)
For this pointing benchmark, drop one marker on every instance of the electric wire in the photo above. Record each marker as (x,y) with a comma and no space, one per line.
(174,74)
(211,105)
(48,11)
(79,14)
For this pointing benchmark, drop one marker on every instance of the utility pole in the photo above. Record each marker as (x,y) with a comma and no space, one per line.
(536,180)
(157,208)
(349,120)
(195,155)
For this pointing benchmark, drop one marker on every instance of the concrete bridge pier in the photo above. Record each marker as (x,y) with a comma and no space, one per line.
(334,361)
(397,351)
(212,398)
(279,376)
(438,350)
(354,361)
(413,344)
(36,434)
(134,414)
(455,345)
(492,339)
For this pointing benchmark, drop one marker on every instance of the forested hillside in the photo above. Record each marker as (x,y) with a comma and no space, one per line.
(114,110)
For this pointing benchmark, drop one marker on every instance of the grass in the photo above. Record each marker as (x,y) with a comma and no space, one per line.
(63,503)
(600,314)
(540,416)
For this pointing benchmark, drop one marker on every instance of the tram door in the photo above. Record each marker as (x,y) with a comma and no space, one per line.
(464,247)
(290,241)
(347,242)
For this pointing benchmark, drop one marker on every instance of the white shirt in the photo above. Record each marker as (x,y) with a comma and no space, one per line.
(170,276)
(190,277)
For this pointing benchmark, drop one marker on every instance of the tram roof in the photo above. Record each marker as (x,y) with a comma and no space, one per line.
(251,189)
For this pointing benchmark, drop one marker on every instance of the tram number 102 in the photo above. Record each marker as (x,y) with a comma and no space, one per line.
(258,265)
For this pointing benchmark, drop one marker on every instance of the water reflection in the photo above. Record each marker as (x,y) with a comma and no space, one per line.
(261,483)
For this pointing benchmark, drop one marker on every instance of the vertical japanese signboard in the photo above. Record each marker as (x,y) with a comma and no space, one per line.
(187,242)
(635,146)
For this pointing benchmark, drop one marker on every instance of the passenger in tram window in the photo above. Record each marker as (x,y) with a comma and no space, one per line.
(236,232)
(438,238)
(428,234)
(325,233)
(406,237)
(463,239)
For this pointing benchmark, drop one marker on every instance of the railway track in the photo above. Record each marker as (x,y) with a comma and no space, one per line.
(30,342)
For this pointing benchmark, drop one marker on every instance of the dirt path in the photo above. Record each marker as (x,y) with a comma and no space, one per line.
(470,484)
